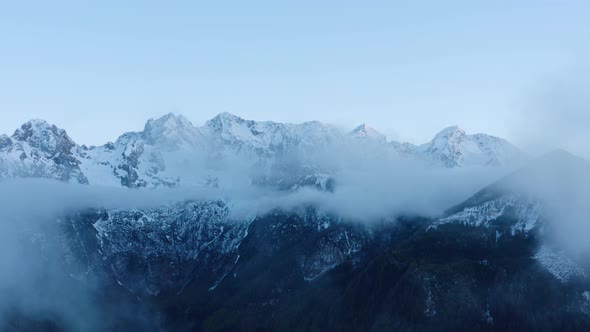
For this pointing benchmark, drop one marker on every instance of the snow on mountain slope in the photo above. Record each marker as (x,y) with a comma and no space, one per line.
(559,264)
(520,197)
(265,139)
(159,250)
(154,250)
(367,133)
(151,158)
(544,200)
(38,149)
(452,147)
(527,213)
(172,131)
(170,151)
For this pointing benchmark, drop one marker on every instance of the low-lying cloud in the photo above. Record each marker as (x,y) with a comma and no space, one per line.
(366,189)
(30,207)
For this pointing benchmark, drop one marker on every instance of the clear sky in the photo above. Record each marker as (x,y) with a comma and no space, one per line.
(406,68)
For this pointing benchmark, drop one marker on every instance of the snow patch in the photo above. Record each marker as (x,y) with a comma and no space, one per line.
(558,264)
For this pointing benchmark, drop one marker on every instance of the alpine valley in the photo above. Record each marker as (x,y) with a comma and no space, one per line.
(487,261)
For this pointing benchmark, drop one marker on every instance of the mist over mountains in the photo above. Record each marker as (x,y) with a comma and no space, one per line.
(230,156)
(170,151)
(244,225)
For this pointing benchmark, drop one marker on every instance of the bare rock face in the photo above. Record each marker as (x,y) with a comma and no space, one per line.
(160,251)
(154,251)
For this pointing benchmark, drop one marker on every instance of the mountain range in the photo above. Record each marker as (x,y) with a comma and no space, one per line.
(171,152)
(494,262)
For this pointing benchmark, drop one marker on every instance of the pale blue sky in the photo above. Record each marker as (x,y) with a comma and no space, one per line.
(407,68)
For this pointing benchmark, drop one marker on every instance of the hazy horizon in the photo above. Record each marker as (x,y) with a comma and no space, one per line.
(406,70)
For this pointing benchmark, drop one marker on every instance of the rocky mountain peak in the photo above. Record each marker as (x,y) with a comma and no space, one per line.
(5,141)
(365,132)
(234,130)
(224,120)
(167,123)
(453,147)
(43,136)
(40,149)
(450,133)
(158,155)
(168,127)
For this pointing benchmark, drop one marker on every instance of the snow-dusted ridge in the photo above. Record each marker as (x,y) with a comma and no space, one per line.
(171,151)
(530,202)
(365,132)
(526,212)
(454,148)
(38,149)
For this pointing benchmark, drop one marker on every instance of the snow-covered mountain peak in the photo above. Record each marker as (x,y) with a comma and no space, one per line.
(361,128)
(39,149)
(365,132)
(37,123)
(450,133)
(230,128)
(169,121)
(453,147)
(224,120)
(169,150)
(169,128)
(43,136)
(237,133)
(32,128)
